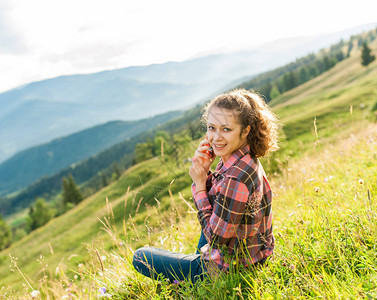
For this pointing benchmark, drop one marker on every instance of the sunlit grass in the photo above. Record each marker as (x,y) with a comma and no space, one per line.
(325,225)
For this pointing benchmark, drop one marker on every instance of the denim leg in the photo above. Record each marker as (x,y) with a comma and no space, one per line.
(152,262)
(202,242)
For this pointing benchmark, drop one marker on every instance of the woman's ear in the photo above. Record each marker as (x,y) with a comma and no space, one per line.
(245,132)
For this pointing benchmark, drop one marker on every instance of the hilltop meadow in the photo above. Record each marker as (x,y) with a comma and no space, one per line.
(324,205)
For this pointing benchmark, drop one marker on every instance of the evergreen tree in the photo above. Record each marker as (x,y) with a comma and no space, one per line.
(266,89)
(39,215)
(339,56)
(116,172)
(103,179)
(290,81)
(286,82)
(328,62)
(350,46)
(274,92)
(319,65)
(71,193)
(366,56)
(313,71)
(303,75)
(5,234)
(360,42)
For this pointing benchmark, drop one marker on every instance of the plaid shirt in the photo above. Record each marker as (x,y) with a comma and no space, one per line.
(235,212)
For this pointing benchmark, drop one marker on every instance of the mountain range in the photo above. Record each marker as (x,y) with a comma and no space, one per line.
(49,158)
(39,112)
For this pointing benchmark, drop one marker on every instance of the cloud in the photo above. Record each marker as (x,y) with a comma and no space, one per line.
(10,40)
(93,55)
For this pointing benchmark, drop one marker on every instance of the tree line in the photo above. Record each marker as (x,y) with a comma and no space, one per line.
(283,79)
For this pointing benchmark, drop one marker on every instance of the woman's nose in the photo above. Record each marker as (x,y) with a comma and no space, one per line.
(217,136)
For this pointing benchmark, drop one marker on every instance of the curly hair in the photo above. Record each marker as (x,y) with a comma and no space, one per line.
(251,110)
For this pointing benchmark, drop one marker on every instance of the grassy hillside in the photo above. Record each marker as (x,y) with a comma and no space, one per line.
(325,213)
(325,228)
(336,101)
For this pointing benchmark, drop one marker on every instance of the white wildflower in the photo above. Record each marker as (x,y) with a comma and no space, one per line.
(34,294)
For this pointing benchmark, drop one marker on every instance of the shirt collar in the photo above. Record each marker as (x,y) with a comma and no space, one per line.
(237,155)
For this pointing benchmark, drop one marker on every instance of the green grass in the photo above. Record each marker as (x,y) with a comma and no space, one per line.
(324,220)
(325,226)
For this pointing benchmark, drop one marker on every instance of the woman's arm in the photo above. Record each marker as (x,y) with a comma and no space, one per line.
(220,221)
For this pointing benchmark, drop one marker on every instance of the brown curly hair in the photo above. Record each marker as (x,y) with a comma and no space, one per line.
(251,110)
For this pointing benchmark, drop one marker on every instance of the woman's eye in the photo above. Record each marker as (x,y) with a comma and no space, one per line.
(227,129)
(210,127)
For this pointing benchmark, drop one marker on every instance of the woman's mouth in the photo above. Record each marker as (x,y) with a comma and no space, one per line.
(219,146)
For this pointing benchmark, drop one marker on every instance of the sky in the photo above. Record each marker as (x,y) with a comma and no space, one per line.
(42,39)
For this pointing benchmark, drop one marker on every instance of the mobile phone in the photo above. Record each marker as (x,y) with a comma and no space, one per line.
(210,151)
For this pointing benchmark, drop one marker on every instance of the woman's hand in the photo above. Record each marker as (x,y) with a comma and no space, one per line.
(205,154)
(201,163)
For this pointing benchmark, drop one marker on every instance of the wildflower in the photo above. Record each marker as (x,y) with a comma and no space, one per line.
(175,281)
(34,294)
(80,266)
(75,277)
(317,189)
(103,257)
(361,181)
(292,267)
(326,179)
(102,293)
(310,179)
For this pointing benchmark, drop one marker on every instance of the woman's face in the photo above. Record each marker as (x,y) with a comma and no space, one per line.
(224,132)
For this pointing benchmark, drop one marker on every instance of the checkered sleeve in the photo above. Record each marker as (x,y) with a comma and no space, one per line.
(220,221)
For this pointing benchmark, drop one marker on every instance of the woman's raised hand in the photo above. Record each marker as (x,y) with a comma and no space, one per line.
(204,154)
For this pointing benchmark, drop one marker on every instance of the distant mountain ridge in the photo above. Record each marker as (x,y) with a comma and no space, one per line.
(49,158)
(38,112)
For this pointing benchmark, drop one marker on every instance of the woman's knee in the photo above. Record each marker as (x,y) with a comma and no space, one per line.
(140,257)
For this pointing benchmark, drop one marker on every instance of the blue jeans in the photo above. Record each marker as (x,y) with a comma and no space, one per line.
(153,262)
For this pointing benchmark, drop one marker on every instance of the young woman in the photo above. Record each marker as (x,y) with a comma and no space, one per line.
(234,201)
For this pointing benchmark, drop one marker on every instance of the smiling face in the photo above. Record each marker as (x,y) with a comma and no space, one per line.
(224,132)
